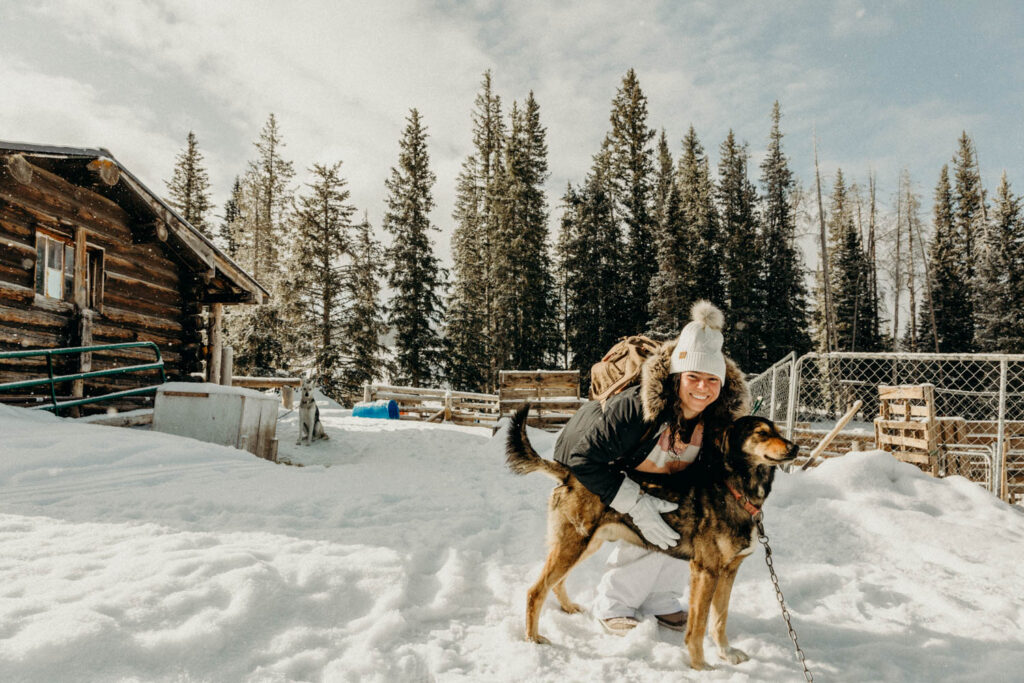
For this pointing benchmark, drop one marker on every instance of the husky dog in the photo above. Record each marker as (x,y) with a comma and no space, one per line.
(310,427)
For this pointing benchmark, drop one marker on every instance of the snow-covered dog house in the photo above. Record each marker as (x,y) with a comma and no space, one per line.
(229,416)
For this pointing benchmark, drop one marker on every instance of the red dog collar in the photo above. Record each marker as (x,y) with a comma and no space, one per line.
(742,500)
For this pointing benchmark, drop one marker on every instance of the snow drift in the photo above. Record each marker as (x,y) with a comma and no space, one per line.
(402,552)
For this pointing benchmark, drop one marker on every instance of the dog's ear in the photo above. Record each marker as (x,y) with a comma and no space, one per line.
(722,442)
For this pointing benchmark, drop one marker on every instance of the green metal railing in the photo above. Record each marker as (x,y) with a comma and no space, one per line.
(53,380)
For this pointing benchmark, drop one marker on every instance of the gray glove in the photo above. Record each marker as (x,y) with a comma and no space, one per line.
(646,511)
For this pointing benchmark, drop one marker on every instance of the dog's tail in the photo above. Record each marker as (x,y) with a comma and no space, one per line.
(520,456)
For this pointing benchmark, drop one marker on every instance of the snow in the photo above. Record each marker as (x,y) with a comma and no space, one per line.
(402,551)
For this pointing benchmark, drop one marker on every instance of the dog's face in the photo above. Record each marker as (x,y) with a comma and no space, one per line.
(306,388)
(757,440)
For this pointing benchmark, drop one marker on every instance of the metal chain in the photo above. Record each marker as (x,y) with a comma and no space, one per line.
(778,593)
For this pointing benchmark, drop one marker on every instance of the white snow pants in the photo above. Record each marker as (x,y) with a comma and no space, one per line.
(639,582)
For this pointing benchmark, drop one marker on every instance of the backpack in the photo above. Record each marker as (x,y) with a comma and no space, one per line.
(620,367)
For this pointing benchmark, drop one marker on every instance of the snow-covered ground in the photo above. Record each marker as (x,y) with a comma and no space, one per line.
(402,552)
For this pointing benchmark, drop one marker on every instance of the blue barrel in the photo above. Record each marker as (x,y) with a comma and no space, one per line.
(384,409)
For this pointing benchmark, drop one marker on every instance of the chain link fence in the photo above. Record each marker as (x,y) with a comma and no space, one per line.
(959,414)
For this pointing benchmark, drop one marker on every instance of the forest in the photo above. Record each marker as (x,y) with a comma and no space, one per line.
(823,264)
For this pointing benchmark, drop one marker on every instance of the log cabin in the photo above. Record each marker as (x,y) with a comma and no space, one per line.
(89,256)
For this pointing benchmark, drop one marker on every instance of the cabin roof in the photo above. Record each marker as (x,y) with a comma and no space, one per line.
(132,195)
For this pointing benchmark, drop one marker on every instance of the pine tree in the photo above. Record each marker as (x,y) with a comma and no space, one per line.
(968,216)
(362,329)
(233,224)
(189,186)
(470,323)
(591,259)
(950,305)
(322,241)
(267,338)
(785,317)
(414,275)
(664,180)
(701,230)
(632,177)
(1001,277)
(742,252)
(672,287)
(522,274)
(849,270)
(670,292)
(466,322)
(268,200)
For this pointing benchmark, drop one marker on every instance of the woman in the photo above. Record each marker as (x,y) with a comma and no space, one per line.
(688,393)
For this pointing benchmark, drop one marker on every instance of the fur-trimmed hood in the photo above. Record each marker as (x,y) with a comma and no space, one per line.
(657,388)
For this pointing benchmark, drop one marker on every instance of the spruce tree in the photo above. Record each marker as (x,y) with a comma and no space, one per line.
(850,273)
(590,257)
(467,344)
(189,187)
(322,241)
(266,338)
(785,317)
(365,357)
(233,224)
(470,323)
(950,305)
(1001,277)
(523,279)
(269,200)
(664,180)
(414,273)
(742,256)
(669,295)
(968,215)
(701,231)
(632,166)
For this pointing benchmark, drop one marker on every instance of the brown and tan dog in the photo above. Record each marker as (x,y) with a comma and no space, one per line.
(718,497)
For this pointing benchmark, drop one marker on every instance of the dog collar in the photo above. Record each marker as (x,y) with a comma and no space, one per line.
(753,510)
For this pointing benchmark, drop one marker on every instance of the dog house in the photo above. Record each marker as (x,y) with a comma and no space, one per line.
(229,416)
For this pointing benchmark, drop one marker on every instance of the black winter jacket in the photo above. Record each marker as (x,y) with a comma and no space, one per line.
(600,445)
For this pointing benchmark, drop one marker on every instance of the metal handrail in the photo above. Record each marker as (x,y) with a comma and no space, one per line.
(52,380)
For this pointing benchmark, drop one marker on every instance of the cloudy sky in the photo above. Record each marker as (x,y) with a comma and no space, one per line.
(885,85)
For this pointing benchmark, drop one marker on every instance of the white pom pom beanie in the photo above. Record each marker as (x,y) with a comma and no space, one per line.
(699,348)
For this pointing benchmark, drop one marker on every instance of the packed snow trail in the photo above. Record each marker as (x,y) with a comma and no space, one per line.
(402,551)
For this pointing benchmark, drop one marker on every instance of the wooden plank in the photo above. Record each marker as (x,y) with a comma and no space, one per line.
(906,441)
(913,425)
(914,391)
(912,457)
(915,410)
(550,378)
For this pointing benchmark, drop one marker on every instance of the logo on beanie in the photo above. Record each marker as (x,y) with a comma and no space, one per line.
(682,354)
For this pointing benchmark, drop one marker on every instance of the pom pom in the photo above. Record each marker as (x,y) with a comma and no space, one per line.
(707,314)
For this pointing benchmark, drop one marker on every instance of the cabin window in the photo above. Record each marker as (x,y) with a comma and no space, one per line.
(55,270)
(55,266)
(94,278)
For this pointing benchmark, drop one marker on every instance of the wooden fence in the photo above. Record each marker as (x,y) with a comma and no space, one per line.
(437,405)
(554,396)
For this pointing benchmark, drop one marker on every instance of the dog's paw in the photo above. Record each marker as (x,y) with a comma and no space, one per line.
(572,608)
(539,639)
(733,655)
(701,666)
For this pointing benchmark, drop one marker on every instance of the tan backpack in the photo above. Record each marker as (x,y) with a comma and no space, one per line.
(620,367)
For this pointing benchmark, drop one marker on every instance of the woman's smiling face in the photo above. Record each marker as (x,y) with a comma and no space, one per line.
(697,390)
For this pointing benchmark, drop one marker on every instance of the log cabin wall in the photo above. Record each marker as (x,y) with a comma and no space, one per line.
(148,293)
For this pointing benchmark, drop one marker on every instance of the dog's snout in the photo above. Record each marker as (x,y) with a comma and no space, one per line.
(793,450)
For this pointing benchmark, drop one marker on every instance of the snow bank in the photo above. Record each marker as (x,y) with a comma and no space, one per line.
(402,551)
